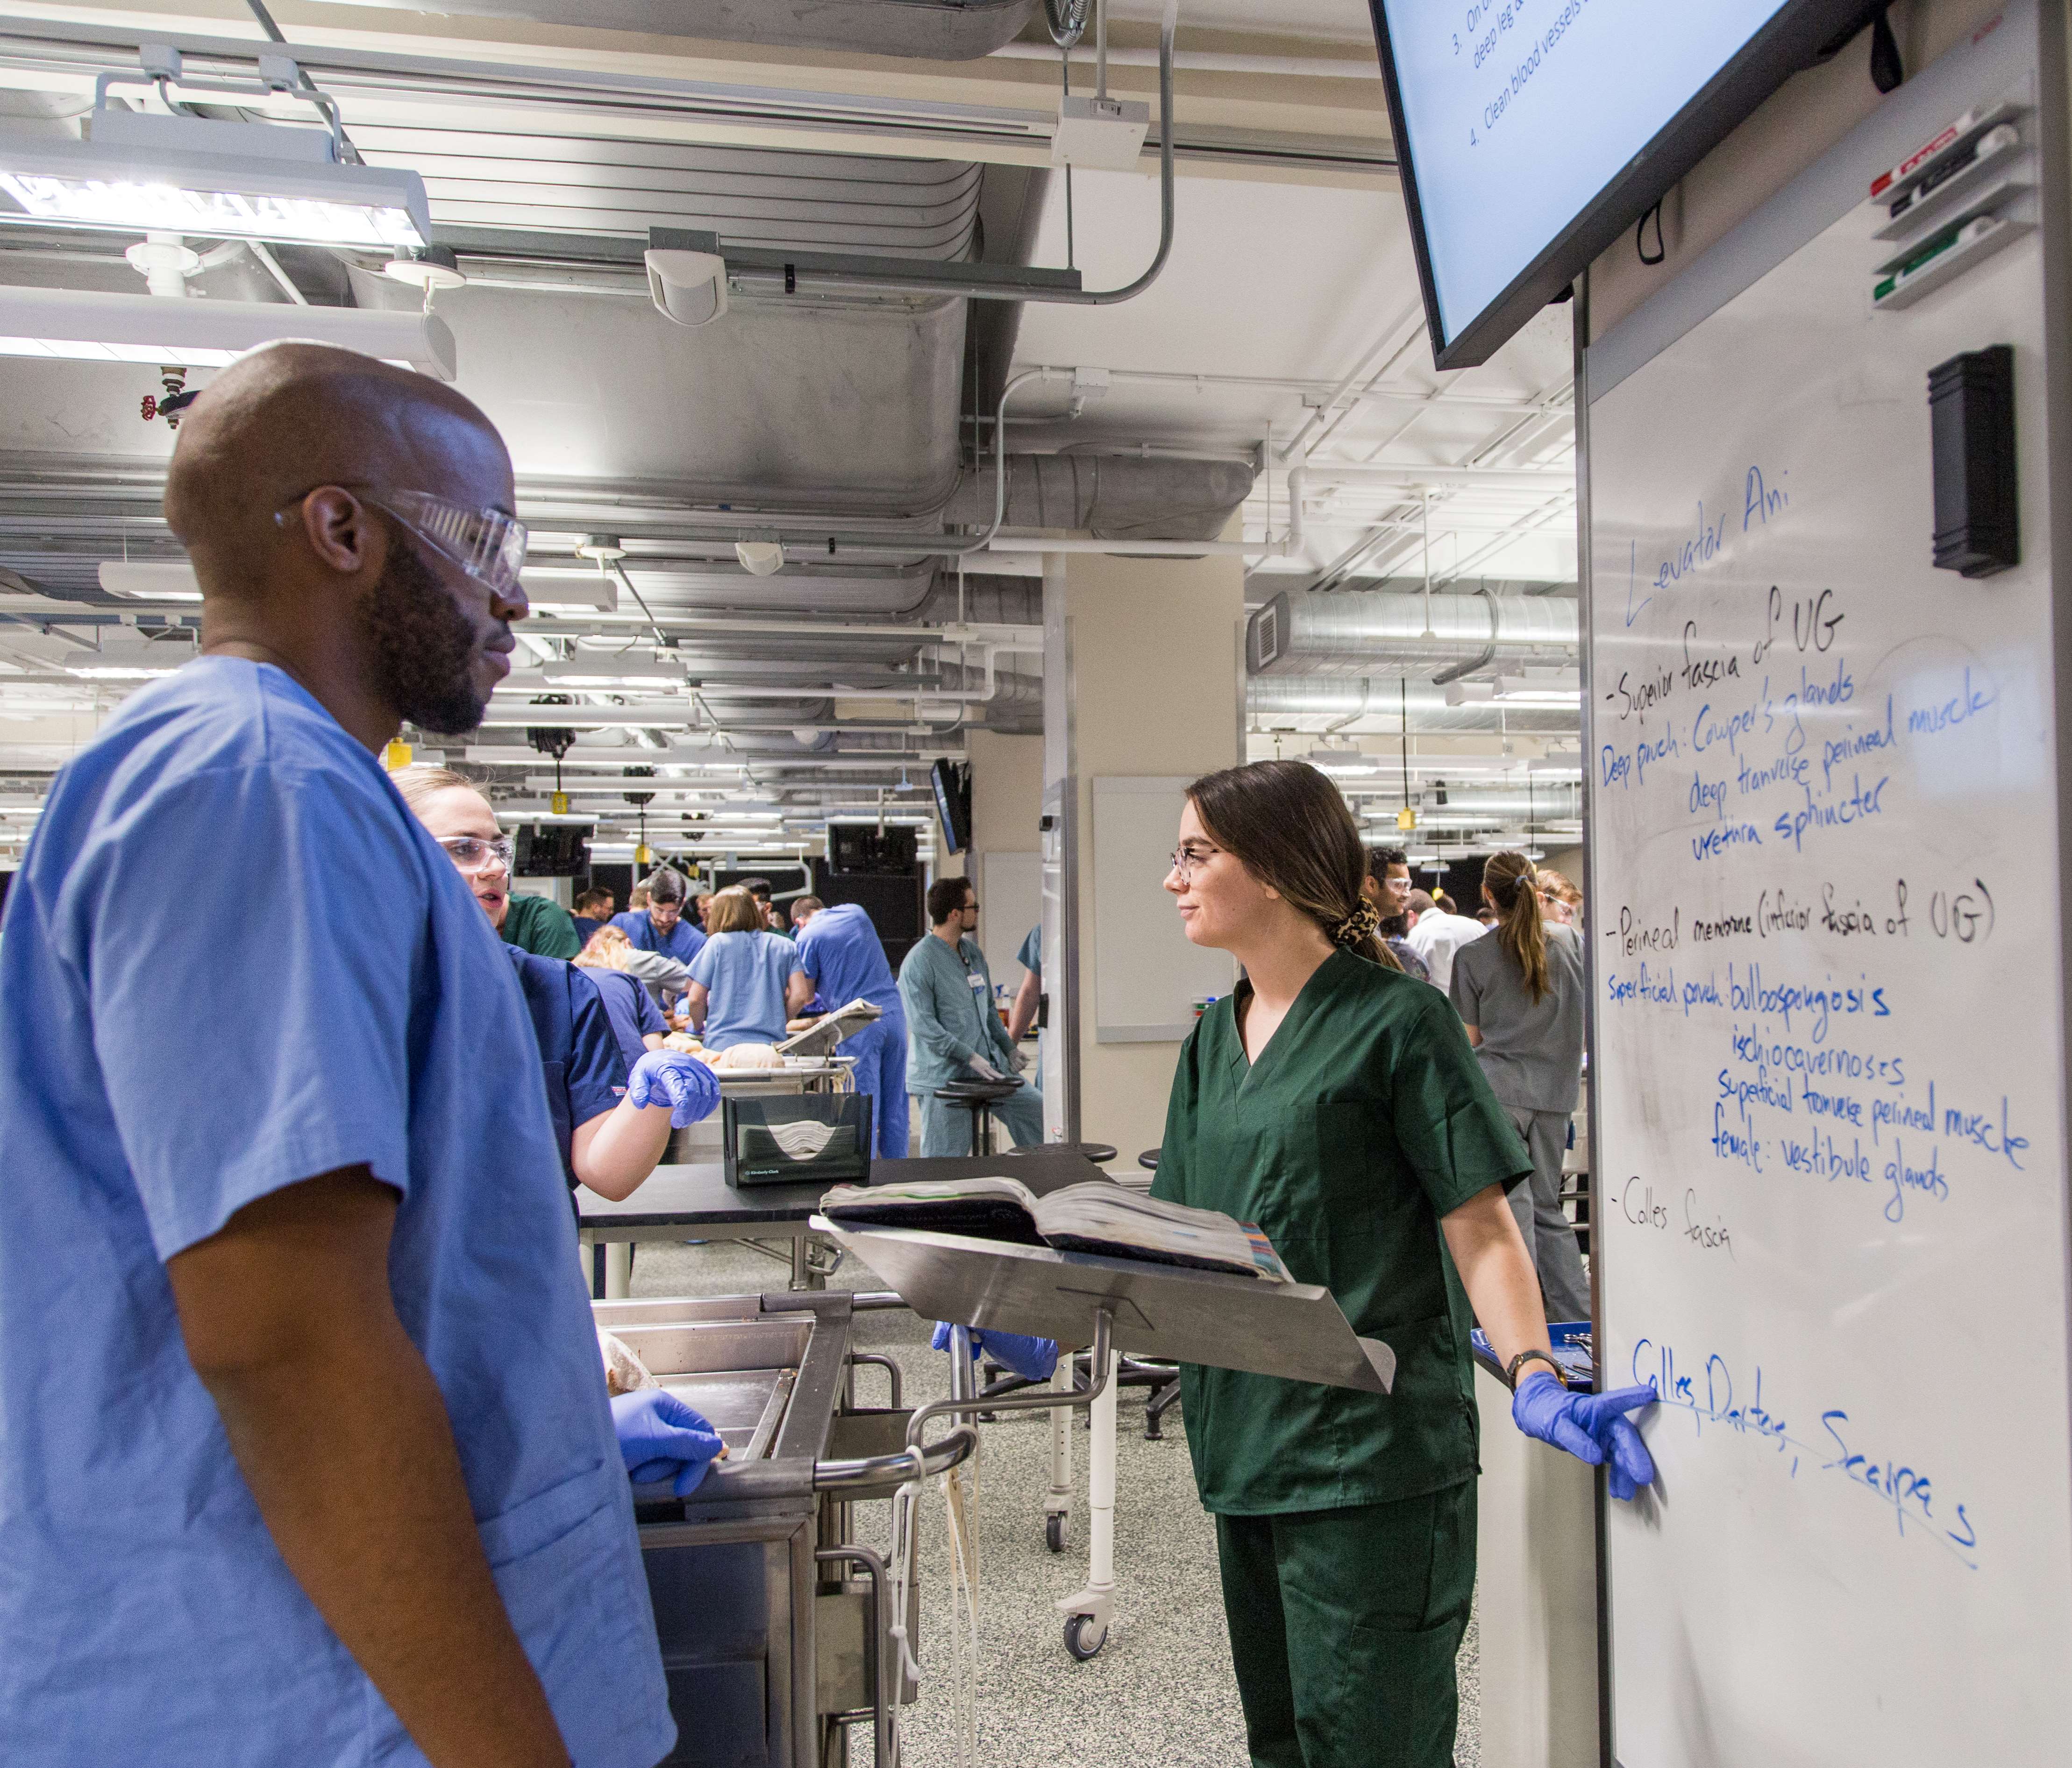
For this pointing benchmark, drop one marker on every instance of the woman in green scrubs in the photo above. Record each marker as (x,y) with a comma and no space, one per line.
(1335,1102)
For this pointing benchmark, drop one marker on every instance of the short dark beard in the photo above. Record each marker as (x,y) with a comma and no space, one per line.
(424,648)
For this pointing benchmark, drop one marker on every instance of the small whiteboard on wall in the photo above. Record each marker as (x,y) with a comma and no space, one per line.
(1146,976)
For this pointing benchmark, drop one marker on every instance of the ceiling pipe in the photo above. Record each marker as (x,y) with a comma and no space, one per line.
(786,273)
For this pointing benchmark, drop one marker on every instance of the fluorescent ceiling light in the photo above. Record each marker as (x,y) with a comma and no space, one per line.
(566,589)
(74,325)
(158,175)
(608,673)
(163,581)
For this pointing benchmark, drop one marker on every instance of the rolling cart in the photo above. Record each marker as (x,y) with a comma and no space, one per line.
(1162,1311)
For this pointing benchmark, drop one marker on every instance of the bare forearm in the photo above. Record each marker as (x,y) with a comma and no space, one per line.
(1490,1254)
(615,1153)
(1022,1014)
(348,1450)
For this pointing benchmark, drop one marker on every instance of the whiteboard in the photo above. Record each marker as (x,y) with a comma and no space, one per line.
(1828,1019)
(1011,903)
(1147,975)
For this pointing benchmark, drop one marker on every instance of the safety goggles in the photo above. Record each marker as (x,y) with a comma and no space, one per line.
(486,544)
(471,853)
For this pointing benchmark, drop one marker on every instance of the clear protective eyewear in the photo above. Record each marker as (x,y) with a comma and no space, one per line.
(471,853)
(1187,861)
(487,544)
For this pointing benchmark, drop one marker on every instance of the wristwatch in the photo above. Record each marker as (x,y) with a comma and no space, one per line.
(1511,1368)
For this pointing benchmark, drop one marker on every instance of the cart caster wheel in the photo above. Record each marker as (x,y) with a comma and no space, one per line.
(1081,1640)
(1054,1533)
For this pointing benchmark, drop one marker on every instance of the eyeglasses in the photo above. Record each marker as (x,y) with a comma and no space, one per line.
(1187,861)
(487,544)
(969,908)
(471,853)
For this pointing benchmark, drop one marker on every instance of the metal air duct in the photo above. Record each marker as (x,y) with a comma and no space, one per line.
(1365,633)
(1115,497)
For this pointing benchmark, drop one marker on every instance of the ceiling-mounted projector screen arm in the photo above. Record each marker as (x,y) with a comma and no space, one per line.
(763,270)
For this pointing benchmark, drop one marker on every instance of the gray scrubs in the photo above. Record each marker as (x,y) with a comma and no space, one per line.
(1531,1054)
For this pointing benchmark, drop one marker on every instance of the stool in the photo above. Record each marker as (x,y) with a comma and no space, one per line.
(1095,1152)
(1149,1159)
(978,1097)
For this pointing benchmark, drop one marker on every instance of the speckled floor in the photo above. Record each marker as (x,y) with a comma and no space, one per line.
(1161,1691)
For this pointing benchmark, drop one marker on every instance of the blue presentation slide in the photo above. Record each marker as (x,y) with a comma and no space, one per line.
(1520,111)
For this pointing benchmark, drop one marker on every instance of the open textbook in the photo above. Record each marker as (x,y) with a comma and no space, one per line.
(1092,1217)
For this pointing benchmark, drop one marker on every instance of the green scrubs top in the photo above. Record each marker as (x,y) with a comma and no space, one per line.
(1366,1120)
(543,928)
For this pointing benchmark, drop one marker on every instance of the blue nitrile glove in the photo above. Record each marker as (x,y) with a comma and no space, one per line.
(658,1435)
(676,1080)
(1031,1358)
(1593,1427)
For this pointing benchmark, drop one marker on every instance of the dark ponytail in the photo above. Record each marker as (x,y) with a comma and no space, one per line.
(1289,827)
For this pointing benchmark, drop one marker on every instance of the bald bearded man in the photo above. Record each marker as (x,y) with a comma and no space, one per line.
(305,1454)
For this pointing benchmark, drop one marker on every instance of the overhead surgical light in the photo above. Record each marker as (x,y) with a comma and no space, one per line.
(78,326)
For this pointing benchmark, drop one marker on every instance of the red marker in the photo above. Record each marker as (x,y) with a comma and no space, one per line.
(1921,155)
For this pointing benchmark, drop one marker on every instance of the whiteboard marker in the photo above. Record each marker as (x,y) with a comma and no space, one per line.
(1928,150)
(1976,228)
(1996,140)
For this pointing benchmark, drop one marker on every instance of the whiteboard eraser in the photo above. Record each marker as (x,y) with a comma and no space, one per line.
(1970,418)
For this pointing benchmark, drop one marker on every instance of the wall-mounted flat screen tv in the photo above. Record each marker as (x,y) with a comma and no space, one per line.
(1531,134)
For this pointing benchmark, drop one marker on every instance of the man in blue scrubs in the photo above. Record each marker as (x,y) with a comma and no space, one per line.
(660,927)
(841,959)
(956,1034)
(305,1454)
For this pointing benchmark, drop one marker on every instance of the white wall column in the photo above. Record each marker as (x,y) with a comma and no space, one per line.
(1142,678)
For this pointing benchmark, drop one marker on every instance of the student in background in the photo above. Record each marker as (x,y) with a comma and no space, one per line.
(803,909)
(1436,934)
(954,1033)
(1559,900)
(611,1116)
(841,959)
(660,927)
(1393,929)
(593,910)
(1387,882)
(1520,993)
(737,980)
(607,959)
(1029,997)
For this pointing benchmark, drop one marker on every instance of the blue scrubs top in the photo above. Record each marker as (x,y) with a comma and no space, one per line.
(683,943)
(579,1053)
(631,1010)
(841,951)
(585,926)
(745,975)
(160,1068)
(1031,956)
